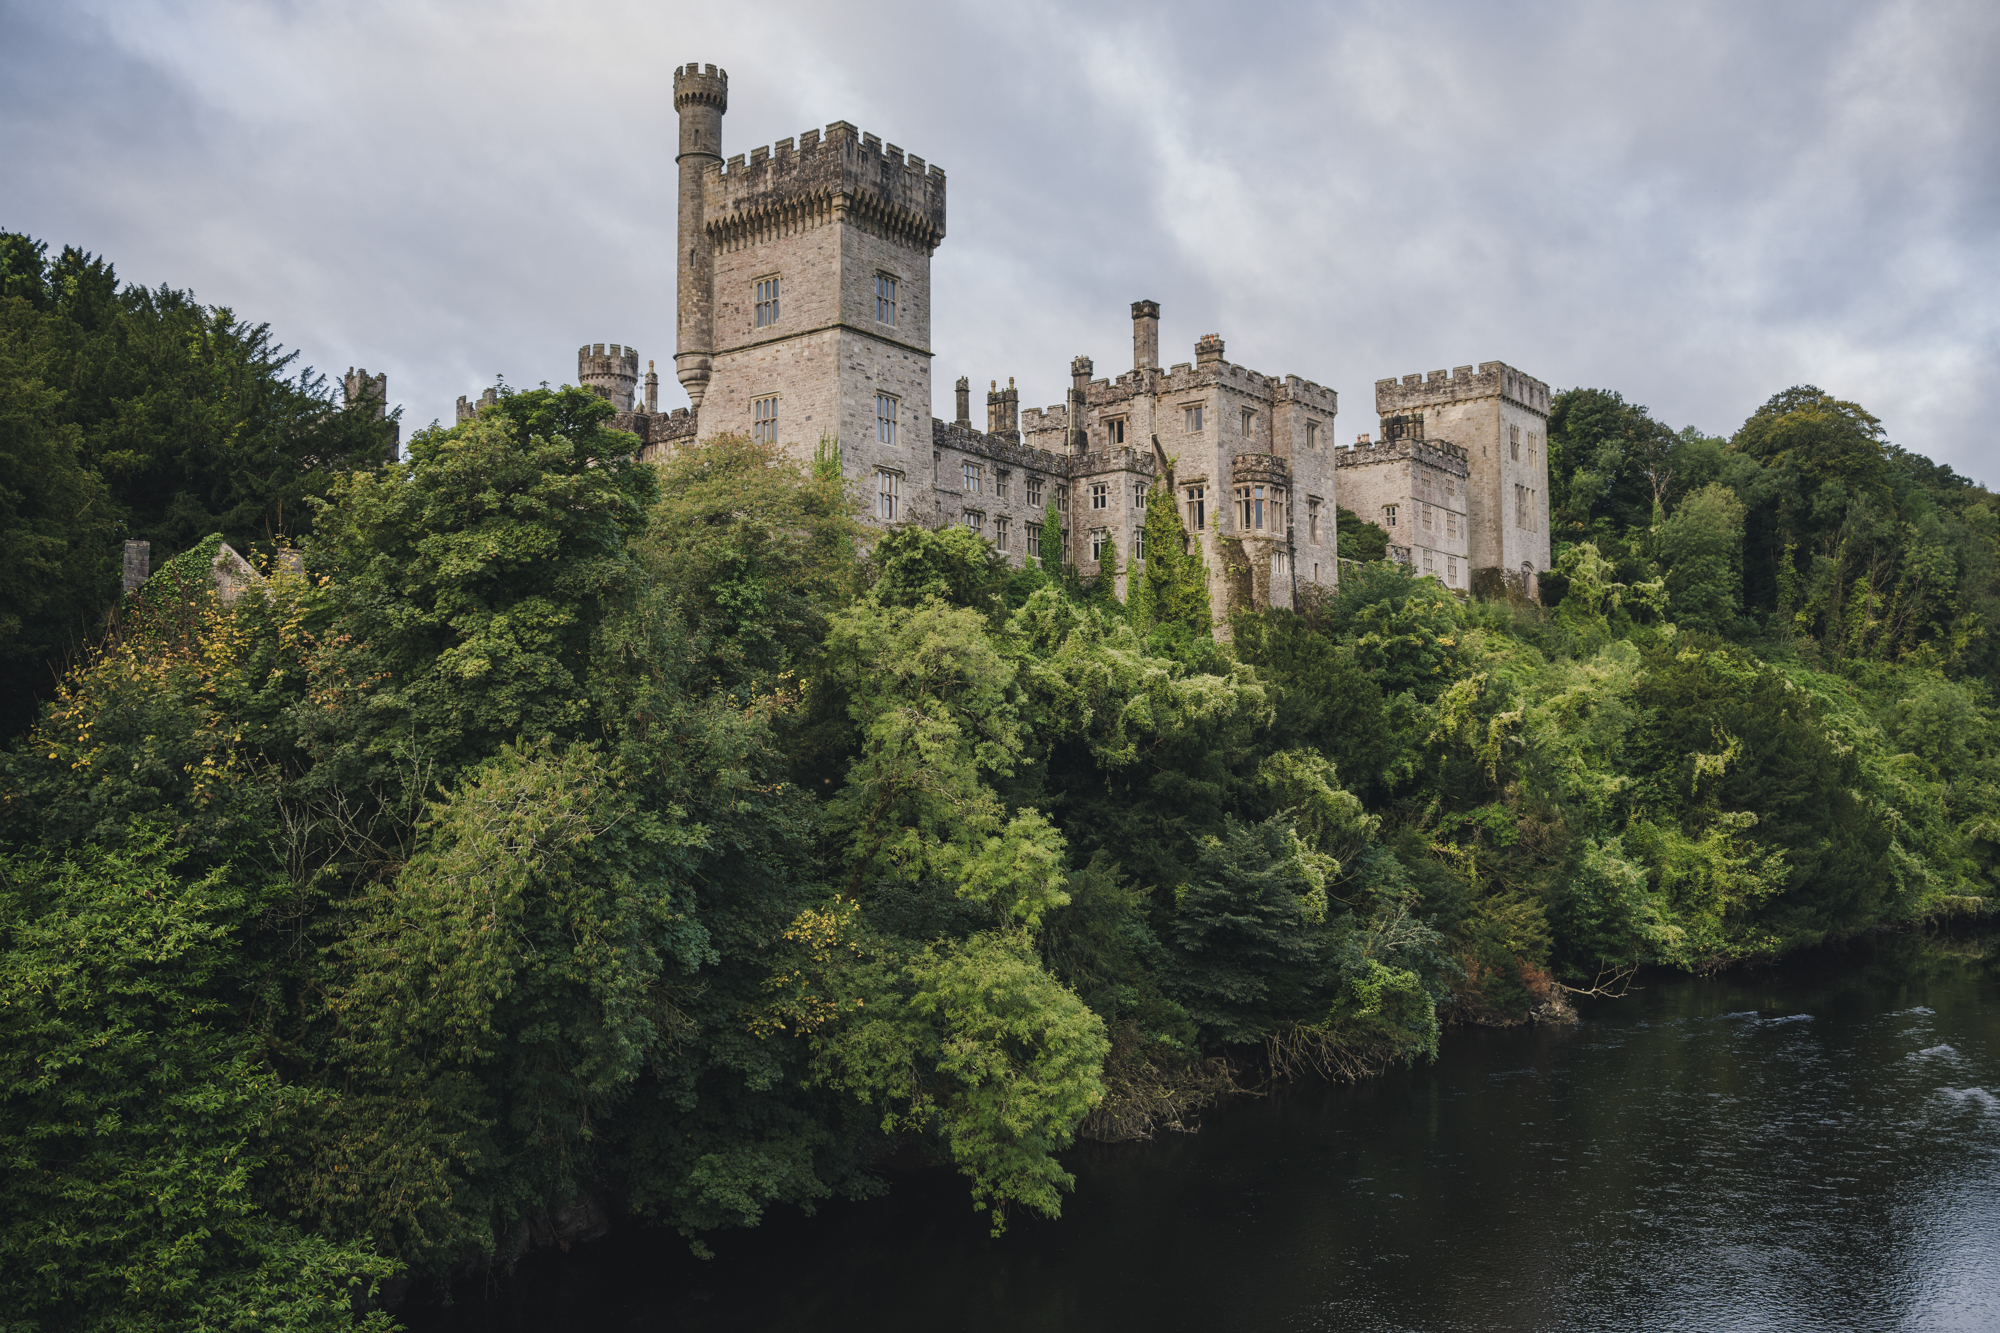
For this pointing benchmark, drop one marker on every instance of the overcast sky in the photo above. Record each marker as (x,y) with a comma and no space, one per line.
(1696,203)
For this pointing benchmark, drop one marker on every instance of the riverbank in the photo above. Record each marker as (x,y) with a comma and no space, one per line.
(1805,1145)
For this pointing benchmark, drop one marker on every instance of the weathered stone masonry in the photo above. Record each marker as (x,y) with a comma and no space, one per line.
(803,315)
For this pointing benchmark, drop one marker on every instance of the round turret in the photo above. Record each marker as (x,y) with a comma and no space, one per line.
(609,371)
(701,95)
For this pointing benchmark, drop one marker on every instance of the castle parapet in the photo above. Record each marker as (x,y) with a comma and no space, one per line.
(844,173)
(1492,379)
(1432,453)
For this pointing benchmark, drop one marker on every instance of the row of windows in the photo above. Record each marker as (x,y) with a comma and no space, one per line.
(1194,420)
(765,300)
(1514,444)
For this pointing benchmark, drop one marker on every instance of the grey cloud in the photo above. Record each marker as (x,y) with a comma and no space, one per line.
(1696,203)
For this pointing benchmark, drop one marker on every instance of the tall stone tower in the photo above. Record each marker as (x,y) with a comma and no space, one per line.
(610,371)
(700,97)
(1500,418)
(805,286)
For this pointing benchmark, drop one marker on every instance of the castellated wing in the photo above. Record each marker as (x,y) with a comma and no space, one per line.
(803,318)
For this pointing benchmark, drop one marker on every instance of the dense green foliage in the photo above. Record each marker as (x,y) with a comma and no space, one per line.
(129,413)
(572,836)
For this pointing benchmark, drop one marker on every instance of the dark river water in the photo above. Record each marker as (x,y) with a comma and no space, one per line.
(1812,1146)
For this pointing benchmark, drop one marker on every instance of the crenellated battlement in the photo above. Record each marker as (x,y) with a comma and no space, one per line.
(1431,453)
(701,85)
(1492,379)
(610,371)
(843,175)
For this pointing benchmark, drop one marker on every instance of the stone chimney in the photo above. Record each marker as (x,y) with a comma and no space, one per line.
(652,391)
(1079,386)
(1208,350)
(1145,335)
(1003,406)
(964,401)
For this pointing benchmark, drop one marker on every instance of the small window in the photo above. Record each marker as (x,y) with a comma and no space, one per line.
(1534,442)
(1191,418)
(1425,510)
(1451,569)
(1139,543)
(1312,442)
(1312,521)
(764,419)
(888,495)
(1114,431)
(975,478)
(1450,486)
(1138,495)
(1389,516)
(1035,491)
(767,302)
(1249,418)
(1514,443)
(1429,562)
(1062,501)
(1450,524)
(1034,531)
(1001,478)
(885,299)
(975,520)
(1099,539)
(1520,505)
(885,418)
(1000,527)
(1196,499)
(1100,496)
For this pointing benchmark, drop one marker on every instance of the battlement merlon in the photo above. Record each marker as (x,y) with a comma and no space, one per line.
(845,175)
(704,85)
(1432,453)
(1492,379)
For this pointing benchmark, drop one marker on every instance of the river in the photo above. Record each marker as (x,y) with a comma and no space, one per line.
(1802,1147)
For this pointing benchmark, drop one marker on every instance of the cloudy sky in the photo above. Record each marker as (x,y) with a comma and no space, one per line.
(1696,203)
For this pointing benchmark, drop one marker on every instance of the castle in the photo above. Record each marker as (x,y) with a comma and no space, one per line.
(804,314)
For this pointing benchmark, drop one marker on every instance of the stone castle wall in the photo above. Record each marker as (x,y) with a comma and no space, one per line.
(1487,411)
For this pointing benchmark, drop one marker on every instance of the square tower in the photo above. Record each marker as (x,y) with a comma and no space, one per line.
(806,307)
(1500,417)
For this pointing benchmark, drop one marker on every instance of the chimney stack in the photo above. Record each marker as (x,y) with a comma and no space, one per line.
(964,401)
(1145,335)
(1208,350)
(1079,386)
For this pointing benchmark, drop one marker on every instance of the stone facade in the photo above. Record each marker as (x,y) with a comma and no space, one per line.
(1500,418)
(1252,458)
(804,316)
(1418,491)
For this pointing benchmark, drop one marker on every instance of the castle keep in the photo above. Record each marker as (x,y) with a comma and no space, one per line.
(803,316)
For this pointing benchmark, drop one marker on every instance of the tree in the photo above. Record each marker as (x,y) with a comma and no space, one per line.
(1702,545)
